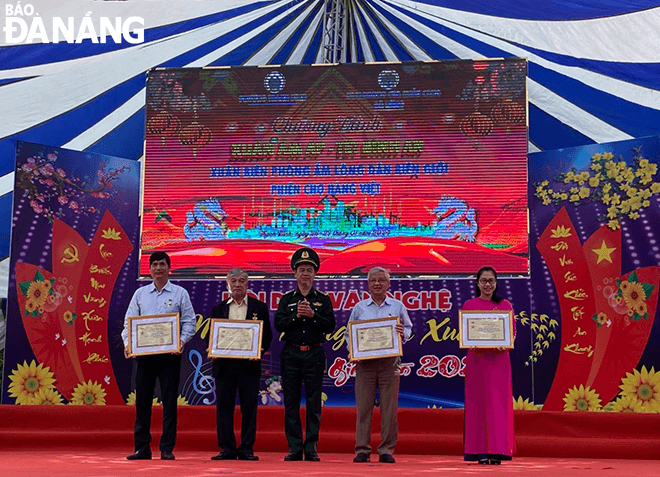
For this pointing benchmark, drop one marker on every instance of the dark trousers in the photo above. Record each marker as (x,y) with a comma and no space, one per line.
(167,369)
(232,380)
(298,368)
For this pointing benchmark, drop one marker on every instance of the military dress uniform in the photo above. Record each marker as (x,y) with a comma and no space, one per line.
(303,361)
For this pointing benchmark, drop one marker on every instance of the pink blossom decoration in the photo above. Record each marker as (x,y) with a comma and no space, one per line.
(48,169)
(35,205)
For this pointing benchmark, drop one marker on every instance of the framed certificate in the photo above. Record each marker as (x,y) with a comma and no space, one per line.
(235,338)
(486,329)
(377,338)
(153,334)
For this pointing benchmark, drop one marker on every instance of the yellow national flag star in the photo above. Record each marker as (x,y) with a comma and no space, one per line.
(604,252)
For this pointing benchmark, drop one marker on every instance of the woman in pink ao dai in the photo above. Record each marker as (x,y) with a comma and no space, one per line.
(489,437)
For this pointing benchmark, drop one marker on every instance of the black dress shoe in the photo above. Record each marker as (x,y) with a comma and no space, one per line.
(312,456)
(484,462)
(495,462)
(224,456)
(247,457)
(140,455)
(362,457)
(293,456)
(386,459)
(166,455)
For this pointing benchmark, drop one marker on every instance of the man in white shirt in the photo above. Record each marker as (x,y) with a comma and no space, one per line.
(234,375)
(161,297)
(378,373)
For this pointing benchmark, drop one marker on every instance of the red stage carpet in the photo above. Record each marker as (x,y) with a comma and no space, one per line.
(106,463)
(93,441)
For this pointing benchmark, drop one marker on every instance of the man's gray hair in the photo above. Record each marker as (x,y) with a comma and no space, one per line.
(237,272)
(378,270)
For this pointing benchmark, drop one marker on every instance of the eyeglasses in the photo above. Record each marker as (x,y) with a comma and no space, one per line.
(490,281)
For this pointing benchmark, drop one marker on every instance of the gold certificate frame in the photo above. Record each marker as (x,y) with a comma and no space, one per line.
(377,338)
(153,334)
(235,338)
(486,329)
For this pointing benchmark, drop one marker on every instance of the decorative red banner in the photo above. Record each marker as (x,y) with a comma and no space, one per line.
(39,302)
(563,253)
(603,253)
(632,301)
(68,258)
(108,251)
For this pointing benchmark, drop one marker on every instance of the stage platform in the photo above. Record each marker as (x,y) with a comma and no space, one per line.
(109,463)
(428,432)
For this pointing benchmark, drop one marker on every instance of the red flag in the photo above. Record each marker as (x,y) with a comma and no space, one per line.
(563,253)
(38,302)
(68,259)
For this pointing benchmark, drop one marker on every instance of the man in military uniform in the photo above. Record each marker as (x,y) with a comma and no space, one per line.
(304,316)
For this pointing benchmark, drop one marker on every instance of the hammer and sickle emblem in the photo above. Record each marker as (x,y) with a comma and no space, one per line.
(70,254)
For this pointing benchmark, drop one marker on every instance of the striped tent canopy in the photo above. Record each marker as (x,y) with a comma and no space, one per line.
(594,67)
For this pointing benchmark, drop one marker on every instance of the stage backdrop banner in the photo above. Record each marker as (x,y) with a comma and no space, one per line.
(594,214)
(73,268)
(419,167)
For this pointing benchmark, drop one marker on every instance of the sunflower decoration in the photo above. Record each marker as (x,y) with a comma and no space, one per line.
(628,403)
(88,394)
(601,319)
(28,379)
(68,317)
(645,387)
(634,294)
(38,292)
(182,401)
(47,397)
(581,399)
(130,400)
(526,405)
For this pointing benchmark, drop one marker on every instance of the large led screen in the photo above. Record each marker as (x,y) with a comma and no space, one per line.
(418,167)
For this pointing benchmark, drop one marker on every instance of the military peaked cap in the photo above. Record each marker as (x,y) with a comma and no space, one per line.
(305,255)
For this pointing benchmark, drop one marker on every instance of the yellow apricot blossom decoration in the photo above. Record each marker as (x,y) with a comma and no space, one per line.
(608,180)
(28,379)
(581,399)
(88,394)
(181,401)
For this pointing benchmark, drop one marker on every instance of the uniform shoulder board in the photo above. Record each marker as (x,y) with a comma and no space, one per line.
(321,293)
(291,292)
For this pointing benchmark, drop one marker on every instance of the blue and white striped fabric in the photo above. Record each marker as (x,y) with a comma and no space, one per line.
(594,67)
